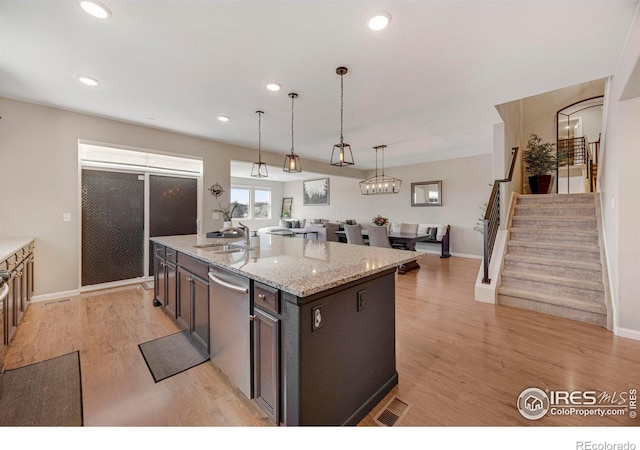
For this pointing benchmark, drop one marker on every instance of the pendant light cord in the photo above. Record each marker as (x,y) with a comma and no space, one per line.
(341,107)
(292,98)
(259,136)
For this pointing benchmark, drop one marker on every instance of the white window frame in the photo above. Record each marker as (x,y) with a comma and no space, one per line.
(252,196)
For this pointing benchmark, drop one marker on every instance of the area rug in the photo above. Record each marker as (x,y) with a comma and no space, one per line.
(170,355)
(44,394)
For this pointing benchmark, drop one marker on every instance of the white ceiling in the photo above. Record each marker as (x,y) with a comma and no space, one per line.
(426,86)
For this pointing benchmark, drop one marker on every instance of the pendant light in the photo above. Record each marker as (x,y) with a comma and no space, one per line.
(343,157)
(292,161)
(380,183)
(259,169)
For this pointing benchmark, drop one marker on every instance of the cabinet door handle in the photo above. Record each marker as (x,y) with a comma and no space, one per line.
(252,318)
(262,296)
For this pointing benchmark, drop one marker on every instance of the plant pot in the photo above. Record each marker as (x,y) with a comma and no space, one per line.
(227,224)
(539,184)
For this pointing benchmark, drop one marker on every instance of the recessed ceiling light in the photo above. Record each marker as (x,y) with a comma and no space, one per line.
(223,118)
(379,21)
(87,80)
(275,87)
(95,9)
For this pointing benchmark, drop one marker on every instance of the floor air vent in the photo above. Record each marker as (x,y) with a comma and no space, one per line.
(54,302)
(392,412)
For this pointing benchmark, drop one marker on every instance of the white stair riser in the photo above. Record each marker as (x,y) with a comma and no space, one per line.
(544,269)
(559,311)
(554,289)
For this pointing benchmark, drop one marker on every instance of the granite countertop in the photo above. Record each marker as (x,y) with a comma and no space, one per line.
(299,266)
(8,246)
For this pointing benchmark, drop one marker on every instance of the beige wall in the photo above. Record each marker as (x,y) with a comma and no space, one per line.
(539,114)
(465,186)
(39,155)
(618,185)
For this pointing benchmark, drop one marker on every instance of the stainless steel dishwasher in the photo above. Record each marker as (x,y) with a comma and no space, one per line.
(230,326)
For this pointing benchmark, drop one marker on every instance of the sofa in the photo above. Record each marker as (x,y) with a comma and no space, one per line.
(324,228)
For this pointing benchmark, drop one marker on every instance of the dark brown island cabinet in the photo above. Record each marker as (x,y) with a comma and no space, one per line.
(17,266)
(322,359)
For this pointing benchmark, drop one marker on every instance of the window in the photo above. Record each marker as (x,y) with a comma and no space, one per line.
(241,196)
(253,202)
(261,204)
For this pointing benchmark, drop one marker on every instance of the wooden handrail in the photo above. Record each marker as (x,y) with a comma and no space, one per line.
(491,219)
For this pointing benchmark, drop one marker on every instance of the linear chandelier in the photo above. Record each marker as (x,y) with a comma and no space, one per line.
(259,169)
(380,183)
(292,161)
(343,157)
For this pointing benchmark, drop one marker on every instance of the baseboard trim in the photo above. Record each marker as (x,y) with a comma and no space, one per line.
(461,255)
(627,333)
(97,287)
(55,296)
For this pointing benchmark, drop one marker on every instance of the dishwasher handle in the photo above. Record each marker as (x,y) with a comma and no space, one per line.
(233,287)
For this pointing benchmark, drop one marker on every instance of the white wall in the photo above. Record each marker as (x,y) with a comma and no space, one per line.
(618,185)
(465,188)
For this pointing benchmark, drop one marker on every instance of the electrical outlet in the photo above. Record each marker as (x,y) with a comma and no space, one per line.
(362,300)
(317,321)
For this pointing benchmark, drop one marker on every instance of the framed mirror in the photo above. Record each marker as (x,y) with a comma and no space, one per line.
(287,202)
(426,193)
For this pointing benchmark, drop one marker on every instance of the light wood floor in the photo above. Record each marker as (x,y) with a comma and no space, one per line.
(460,362)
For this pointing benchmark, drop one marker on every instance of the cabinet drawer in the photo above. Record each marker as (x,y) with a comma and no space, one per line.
(194,266)
(266,297)
(170,254)
(158,250)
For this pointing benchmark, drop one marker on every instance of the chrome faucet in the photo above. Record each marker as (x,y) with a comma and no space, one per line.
(245,233)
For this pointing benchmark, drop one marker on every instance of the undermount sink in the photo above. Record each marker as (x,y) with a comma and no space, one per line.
(225,248)
(229,250)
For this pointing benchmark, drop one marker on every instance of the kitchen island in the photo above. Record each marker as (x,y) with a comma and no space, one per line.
(320,320)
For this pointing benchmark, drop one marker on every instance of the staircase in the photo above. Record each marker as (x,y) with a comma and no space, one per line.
(553,261)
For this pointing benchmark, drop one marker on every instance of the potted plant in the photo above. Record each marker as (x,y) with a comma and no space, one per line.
(227,213)
(541,160)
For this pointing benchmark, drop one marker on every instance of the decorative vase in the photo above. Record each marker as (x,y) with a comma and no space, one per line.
(227,224)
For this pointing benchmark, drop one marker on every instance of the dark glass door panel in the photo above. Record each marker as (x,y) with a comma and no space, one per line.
(112,226)
(173,207)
